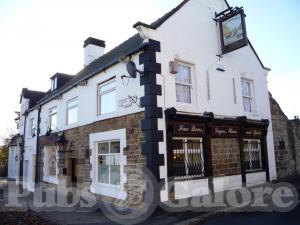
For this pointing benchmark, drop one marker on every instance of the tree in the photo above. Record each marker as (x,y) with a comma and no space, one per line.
(4,152)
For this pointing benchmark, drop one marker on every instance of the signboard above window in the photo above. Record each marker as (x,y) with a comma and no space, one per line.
(233,31)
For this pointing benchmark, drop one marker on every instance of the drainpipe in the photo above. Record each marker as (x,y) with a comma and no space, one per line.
(22,153)
(37,146)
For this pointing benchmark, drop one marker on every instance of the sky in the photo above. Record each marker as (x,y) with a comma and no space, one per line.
(41,37)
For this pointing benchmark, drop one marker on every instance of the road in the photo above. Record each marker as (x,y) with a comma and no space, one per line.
(259,218)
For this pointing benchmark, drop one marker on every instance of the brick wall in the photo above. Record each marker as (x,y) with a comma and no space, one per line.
(225,156)
(283,141)
(79,137)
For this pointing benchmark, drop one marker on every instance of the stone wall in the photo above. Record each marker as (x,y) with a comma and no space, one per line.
(79,137)
(283,141)
(225,156)
(295,128)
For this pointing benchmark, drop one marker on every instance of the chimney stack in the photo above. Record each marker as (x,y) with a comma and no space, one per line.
(93,49)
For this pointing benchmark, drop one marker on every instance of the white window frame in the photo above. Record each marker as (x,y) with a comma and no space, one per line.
(51,113)
(114,191)
(54,84)
(107,154)
(47,178)
(254,150)
(184,84)
(71,107)
(99,113)
(250,97)
(32,128)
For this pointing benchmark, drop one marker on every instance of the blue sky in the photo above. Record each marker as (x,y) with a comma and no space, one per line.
(273,27)
(40,38)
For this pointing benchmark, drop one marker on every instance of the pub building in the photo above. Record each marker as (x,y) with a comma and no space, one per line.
(186,97)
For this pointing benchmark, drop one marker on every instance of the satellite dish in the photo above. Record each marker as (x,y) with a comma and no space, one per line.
(131,69)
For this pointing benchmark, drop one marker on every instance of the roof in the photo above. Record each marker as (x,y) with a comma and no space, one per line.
(129,47)
(33,96)
(16,139)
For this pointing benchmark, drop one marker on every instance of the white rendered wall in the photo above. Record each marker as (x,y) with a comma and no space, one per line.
(191,36)
(87,99)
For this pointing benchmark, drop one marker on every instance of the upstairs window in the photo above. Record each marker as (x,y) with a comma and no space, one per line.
(72,111)
(53,118)
(32,128)
(107,101)
(53,84)
(183,82)
(247,95)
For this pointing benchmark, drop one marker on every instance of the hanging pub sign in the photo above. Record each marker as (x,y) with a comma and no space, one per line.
(188,129)
(233,31)
(224,131)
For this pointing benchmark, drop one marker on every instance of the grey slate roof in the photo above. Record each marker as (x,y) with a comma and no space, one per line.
(33,96)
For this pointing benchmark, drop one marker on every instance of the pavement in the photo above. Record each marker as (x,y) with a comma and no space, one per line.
(162,217)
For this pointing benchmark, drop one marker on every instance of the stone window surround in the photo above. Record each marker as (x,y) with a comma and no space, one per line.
(110,190)
(50,179)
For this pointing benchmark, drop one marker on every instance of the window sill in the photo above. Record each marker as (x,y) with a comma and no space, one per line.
(113,191)
(50,179)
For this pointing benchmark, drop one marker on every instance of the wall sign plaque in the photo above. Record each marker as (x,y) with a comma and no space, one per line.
(253,132)
(225,131)
(188,129)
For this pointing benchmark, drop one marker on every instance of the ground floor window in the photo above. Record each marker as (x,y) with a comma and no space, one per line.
(187,158)
(50,164)
(109,162)
(252,155)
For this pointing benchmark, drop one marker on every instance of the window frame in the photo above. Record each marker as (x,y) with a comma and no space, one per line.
(191,85)
(202,155)
(250,97)
(259,150)
(72,107)
(50,118)
(113,191)
(54,84)
(32,128)
(109,154)
(106,82)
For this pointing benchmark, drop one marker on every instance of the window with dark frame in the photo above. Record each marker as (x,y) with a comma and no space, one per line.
(252,155)
(107,100)
(188,158)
